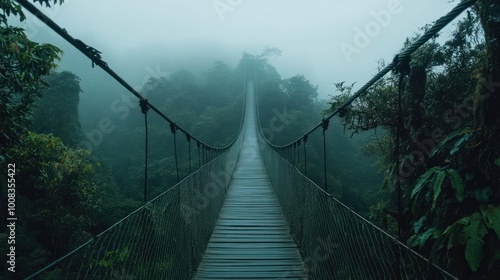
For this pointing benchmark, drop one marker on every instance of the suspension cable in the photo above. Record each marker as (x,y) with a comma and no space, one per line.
(95,56)
(431,32)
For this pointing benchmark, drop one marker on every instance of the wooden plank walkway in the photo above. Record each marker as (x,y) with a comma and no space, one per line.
(251,239)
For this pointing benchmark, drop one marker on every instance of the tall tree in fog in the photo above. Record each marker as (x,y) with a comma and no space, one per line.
(299,91)
(218,79)
(57,110)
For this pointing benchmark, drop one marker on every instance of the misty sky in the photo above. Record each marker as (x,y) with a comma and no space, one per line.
(320,39)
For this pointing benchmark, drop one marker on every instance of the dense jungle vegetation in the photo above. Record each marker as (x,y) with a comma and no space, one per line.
(447,123)
(448,131)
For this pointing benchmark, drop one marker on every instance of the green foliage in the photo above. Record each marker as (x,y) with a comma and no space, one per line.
(23,64)
(457,184)
(299,92)
(463,134)
(471,233)
(209,107)
(436,177)
(449,155)
(472,237)
(491,217)
(57,110)
(287,109)
(58,196)
(114,259)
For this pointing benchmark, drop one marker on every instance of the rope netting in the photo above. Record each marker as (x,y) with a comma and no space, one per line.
(167,236)
(335,241)
(164,239)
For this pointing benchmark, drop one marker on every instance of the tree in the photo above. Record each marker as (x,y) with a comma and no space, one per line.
(56,111)
(22,65)
(489,16)
(58,191)
(218,81)
(299,91)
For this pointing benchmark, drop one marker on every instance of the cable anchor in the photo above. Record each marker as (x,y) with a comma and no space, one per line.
(173,128)
(144,105)
(324,124)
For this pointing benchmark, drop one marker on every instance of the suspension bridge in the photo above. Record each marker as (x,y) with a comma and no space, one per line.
(247,212)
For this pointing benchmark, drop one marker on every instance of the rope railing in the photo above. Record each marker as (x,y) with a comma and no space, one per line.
(210,152)
(351,247)
(335,242)
(399,59)
(95,56)
(163,239)
(166,237)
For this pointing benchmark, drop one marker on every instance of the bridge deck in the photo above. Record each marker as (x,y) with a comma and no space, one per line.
(251,239)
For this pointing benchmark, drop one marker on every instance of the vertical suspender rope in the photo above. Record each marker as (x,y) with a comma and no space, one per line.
(173,129)
(199,154)
(203,153)
(298,152)
(188,138)
(144,109)
(305,154)
(324,125)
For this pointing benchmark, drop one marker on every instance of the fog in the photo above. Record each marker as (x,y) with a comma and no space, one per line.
(327,41)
